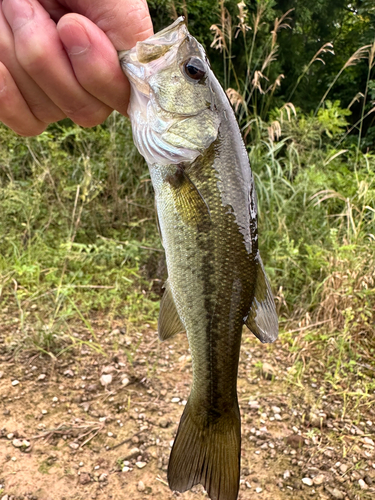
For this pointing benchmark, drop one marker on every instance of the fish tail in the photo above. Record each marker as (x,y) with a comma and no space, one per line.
(207,452)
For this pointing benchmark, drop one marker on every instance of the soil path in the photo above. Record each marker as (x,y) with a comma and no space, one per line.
(98,424)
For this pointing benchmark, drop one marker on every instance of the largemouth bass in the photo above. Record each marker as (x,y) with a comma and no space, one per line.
(185,128)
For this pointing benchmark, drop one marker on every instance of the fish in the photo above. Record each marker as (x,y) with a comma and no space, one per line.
(185,128)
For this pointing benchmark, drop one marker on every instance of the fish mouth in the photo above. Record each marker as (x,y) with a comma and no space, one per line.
(156,51)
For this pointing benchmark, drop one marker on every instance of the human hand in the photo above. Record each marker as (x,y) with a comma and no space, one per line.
(58,58)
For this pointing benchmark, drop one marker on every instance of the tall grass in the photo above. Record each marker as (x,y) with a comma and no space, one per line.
(76,225)
(315,186)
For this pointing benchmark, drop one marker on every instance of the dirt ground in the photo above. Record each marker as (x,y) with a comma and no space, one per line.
(97,422)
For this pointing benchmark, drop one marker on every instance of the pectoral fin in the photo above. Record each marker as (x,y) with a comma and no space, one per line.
(262,318)
(169,322)
(188,200)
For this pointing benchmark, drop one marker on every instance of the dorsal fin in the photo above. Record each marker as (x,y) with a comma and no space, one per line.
(262,318)
(169,322)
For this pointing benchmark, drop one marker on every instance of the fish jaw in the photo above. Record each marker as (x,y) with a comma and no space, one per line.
(167,128)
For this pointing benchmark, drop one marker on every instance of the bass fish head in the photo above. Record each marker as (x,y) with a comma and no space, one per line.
(172,104)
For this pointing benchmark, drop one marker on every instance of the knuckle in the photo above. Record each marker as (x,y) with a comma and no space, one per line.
(87,117)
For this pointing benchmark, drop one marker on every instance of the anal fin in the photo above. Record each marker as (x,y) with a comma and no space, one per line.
(262,318)
(169,322)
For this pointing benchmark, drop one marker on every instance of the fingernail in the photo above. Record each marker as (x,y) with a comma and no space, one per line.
(18,13)
(74,38)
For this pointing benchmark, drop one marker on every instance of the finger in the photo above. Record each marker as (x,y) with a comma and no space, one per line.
(40,105)
(41,54)
(95,61)
(14,111)
(125,22)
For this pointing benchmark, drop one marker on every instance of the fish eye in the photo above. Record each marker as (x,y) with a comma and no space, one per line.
(194,68)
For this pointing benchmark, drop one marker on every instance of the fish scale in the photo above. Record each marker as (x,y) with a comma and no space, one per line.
(206,206)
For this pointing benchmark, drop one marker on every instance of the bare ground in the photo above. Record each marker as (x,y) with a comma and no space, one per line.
(66,436)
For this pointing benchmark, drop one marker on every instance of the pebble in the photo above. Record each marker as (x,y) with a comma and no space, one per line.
(362,484)
(276,409)
(103,477)
(74,446)
(319,479)
(338,494)
(55,400)
(268,371)
(140,465)
(125,381)
(106,380)
(15,382)
(141,486)
(369,441)
(42,376)
(69,373)
(44,412)
(278,416)
(126,469)
(343,468)
(254,405)
(258,490)
(108,369)
(175,400)
(17,443)
(10,435)
(307,481)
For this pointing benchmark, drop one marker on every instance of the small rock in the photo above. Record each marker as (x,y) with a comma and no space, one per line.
(319,479)
(108,369)
(125,381)
(368,480)
(92,388)
(141,486)
(362,484)
(74,446)
(42,376)
(103,477)
(84,478)
(5,497)
(164,422)
(126,469)
(368,441)
(140,465)
(295,441)
(106,380)
(278,417)
(55,400)
(268,371)
(175,400)
(254,405)
(15,382)
(276,409)
(343,468)
(258,490)
(337,494)
(17,443)
(69,373)
(308,481)
(10,435)
(286,474)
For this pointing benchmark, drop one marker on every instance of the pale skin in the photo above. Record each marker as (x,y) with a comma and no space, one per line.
(58,58)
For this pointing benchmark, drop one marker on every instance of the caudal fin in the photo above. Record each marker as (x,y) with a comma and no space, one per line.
(208,454)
